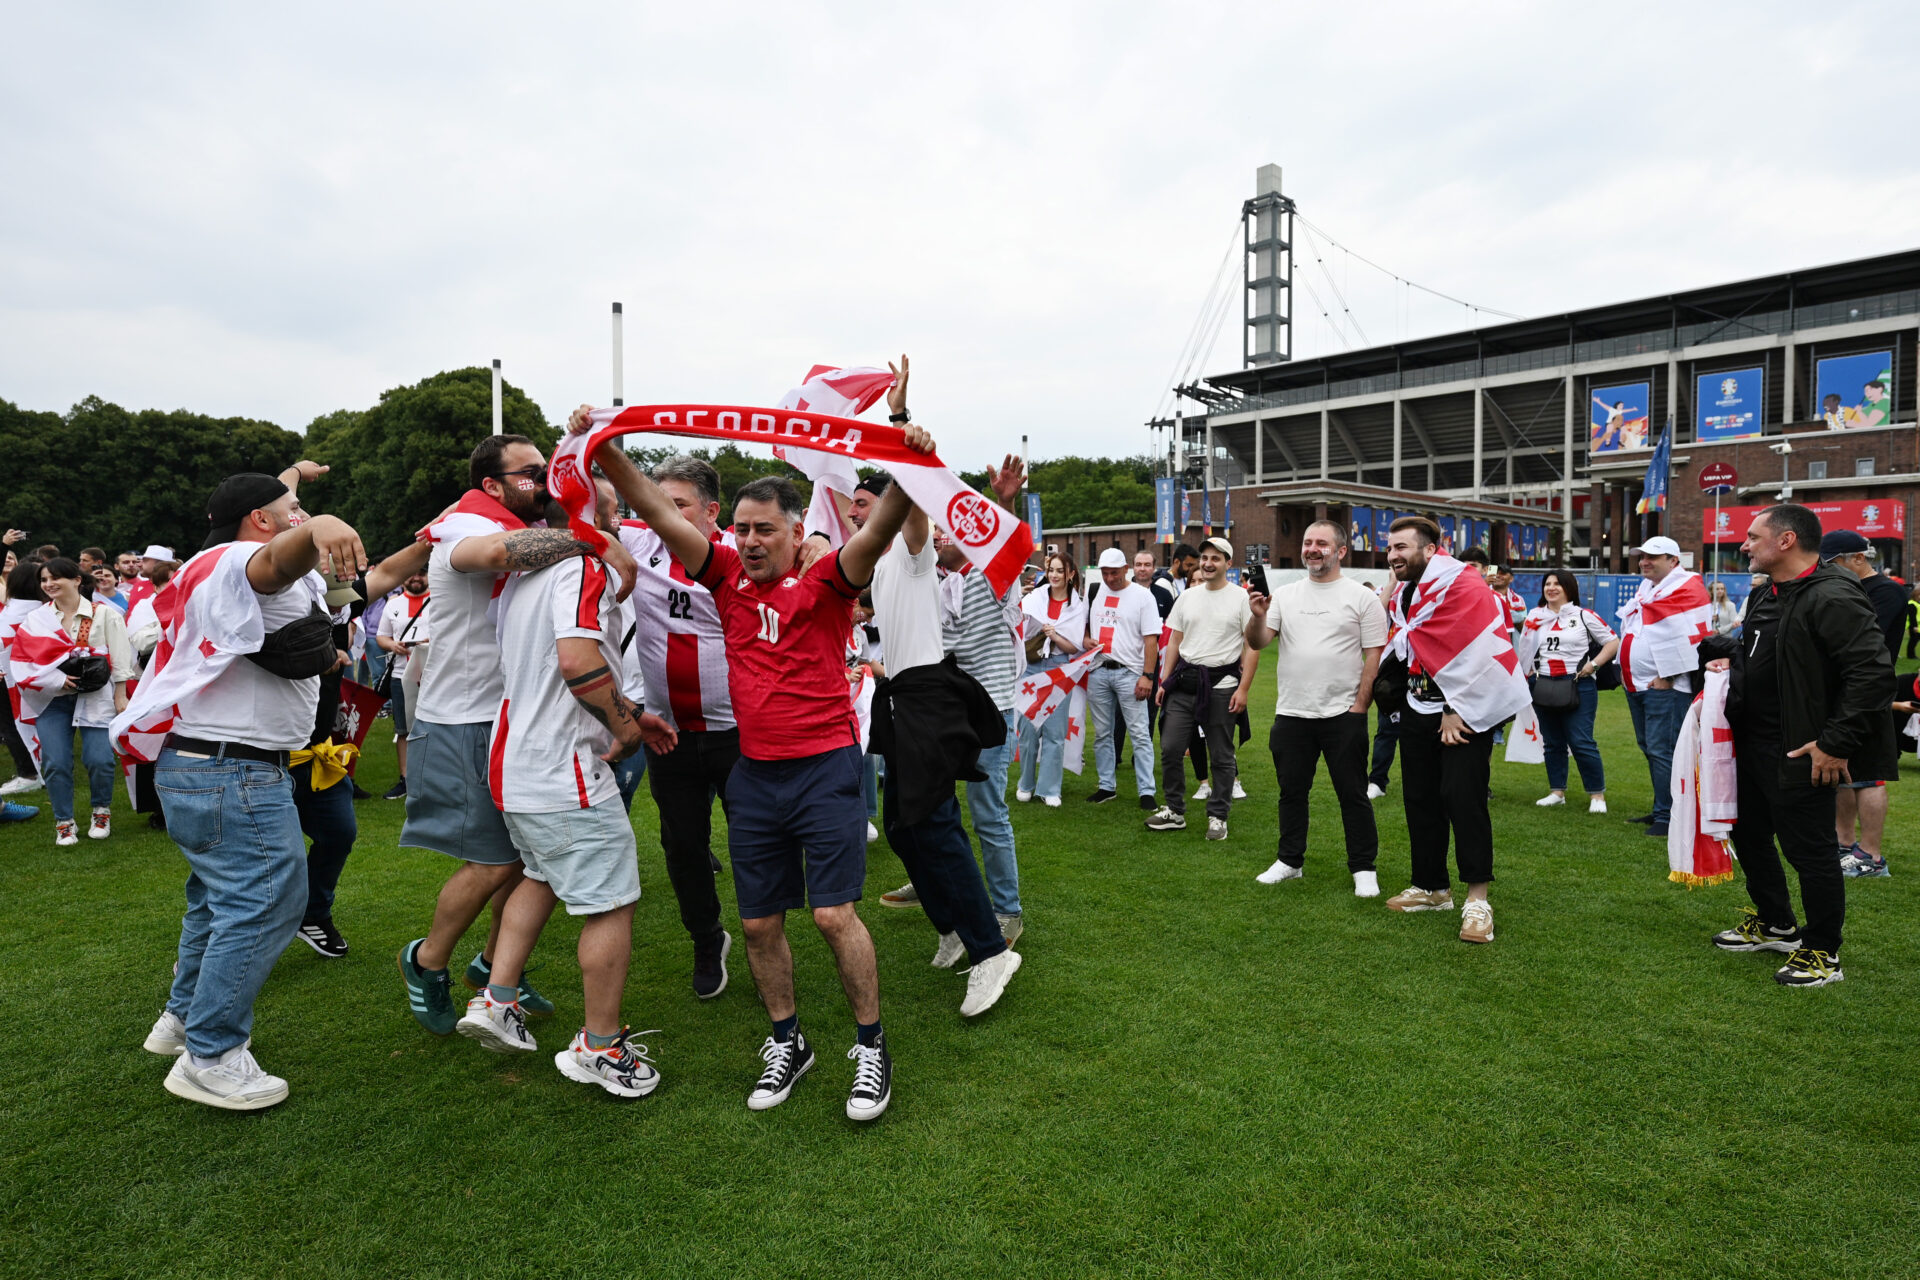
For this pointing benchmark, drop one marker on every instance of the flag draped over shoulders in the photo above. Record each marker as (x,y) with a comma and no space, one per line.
(1455,630)
(1705,791)
(1661,627)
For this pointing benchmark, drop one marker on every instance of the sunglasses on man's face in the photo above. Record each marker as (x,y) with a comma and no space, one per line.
(536,474)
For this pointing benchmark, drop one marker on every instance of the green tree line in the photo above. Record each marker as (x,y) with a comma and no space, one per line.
(119,478)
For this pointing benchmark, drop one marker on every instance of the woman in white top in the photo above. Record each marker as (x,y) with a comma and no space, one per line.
(94,628)
(1560,641)
(1726,618)
(1056,630)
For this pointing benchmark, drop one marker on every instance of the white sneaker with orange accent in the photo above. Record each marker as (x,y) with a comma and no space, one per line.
(102,825)
(65,833)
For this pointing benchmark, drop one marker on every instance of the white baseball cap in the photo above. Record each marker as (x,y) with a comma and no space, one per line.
(1113,558)
(1662,546)
(157,552)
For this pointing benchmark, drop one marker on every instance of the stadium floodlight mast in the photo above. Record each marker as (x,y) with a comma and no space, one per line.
(619,361)
(496,398)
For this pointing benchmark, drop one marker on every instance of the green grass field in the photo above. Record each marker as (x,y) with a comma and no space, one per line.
(1192,1075)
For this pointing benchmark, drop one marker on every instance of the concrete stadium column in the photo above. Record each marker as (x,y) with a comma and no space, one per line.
(1209,469)
(1259,452)
(1326,428)
(1396,442)
(1786,382)
(1617,537)
(1673,389)
(1479,437)
(1596,525)
(1566,477)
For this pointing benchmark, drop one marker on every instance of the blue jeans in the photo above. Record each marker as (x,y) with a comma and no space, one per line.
(1110,690)
(1564,730)
(627,775)
(1657,714)
(993,826)
(236,823)
(939,862)
(56,759)
(870,788)
(327,819)
(1043,748)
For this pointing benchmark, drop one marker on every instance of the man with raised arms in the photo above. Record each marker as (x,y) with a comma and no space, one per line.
(798,781)
(449,809)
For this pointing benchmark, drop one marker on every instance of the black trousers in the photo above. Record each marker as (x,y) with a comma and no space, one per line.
(23,765)
(1385,738)
(1800,819)
(1298,745)
(1444,790)
(683,782)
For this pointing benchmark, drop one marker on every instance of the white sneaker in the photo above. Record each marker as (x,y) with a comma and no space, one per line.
(14,786)
(622,1068)
(1216,828)
(873,833)
(1205,792)
(950,951)
(65,833)
(1239,792)
(1022,796)
(1373,792)
(235,1082)
(101,826)
(1053,802)
(987,981)
(1366,884)
(1597,805)
(1550,800)
(1280,871)
(499,1027)
(168,1037)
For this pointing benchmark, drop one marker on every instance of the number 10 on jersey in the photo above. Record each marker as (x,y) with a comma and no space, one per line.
(769,625)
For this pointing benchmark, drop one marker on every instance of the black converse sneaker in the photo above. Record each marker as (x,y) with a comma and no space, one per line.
(324,938)
(872,1079)
(1751,935)
(786,1061)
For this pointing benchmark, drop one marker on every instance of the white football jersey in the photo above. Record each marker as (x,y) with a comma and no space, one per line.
(677,637)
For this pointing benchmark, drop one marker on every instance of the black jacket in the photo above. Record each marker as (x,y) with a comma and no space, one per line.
(1834,673)
(932,722)
(1889,601)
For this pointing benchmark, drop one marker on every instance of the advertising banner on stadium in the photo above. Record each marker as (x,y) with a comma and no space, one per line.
(1382,521)
(1870,518)
(1166,503)
(1362,529)
(1618,416)
(1526,542)
(1855,391)
(1446,535)
(1726,406)
(1033,518)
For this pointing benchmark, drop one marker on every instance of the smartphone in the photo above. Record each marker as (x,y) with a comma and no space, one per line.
(1259,572)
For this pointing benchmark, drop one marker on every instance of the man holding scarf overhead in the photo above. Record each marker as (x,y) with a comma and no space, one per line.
(1462,680)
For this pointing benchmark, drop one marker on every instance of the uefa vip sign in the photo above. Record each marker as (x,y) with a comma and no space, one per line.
(1727,404)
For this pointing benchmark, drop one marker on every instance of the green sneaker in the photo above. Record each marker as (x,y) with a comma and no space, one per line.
(429,995)
(532,1003)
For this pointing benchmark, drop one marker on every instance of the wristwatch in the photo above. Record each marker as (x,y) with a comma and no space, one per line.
(902,416)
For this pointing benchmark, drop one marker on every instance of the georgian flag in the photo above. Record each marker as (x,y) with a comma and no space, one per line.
(1705,791)
(38,646)
(844,393)
(1524,745)
(1662,626)
(1041,694)
(1456,632)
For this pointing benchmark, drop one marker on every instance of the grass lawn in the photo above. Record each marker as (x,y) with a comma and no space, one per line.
(1192,1075)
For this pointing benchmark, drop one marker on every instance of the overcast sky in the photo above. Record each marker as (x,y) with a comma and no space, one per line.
(279,212)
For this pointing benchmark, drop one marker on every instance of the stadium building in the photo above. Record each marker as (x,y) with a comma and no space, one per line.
(1534,437)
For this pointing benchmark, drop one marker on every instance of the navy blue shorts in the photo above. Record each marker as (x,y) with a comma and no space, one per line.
(797,832)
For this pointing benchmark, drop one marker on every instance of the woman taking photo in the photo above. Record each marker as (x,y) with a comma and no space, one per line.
(1056,629)
(71,663)
(1562,645)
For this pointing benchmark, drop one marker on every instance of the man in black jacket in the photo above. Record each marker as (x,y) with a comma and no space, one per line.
(1860,806)
(1808,707)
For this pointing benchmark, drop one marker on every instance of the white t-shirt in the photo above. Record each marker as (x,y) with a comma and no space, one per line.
(1564,637)
(1119,622)
(463,685)
(679,656)
(244,703)
(546,750)
(906,606)
(1212,622)
(400,611)
(1318,654)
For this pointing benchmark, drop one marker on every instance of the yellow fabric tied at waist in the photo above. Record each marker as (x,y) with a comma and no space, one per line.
(331,760)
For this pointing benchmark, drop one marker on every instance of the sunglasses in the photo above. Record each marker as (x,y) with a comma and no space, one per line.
(536,474)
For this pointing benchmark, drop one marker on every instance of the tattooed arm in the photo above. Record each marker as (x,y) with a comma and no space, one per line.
(518,551)
(593,685)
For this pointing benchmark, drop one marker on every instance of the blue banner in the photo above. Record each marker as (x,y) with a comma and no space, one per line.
(1033,518)
(1186,512)
(1617,417)
(1855,391)
(1206,513)
(1382,521)
(1166,494)
(1653,490)
(1726,406)
(1446,535)
(1362,530)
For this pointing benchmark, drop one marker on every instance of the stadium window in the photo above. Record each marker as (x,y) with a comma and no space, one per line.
(1817,470)
(1863,466)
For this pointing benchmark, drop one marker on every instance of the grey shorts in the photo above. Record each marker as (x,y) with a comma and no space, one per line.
(449,808)
(586,856)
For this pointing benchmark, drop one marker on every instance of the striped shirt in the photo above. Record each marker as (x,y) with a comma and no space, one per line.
(983,639)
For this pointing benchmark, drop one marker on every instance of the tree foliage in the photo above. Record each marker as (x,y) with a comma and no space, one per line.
(397,465)
(735,467)
(1097,491)
(103,475)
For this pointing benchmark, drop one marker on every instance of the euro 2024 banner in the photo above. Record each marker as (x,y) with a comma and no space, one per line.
(1727,405)
(1855,391)
(1617,418)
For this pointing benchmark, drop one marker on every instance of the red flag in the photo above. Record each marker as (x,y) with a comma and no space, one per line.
(358,707)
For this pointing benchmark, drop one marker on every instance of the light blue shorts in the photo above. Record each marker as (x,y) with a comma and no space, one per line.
(586,856)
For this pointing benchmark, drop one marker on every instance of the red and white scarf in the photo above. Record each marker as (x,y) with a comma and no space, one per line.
(990,537)
(1661,627)
(1705,791)
(209,615)
(1456,632)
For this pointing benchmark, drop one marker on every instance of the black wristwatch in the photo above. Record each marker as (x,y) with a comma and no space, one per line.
(902,416)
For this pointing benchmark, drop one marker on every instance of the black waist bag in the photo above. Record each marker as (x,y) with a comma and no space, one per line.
(1390,684)
(88,671)
(300,650)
